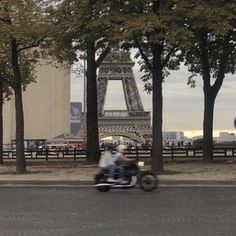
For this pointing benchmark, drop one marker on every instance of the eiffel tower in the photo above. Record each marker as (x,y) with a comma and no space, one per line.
(134,122)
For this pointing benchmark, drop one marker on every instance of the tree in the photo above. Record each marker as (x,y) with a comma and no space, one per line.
(157,30)
(22,28)
(212,54)
(87,26)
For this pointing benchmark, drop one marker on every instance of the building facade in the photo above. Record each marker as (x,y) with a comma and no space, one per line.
(173,135)
(46,105)
(226,137)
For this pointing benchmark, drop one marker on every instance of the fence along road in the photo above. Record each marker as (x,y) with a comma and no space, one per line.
(170,153)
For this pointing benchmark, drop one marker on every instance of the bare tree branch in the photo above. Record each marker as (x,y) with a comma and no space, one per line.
(34,44)
(144,56)
(102,56)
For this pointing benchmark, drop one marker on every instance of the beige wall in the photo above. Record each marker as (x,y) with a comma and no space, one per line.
(8,119)
(46,106)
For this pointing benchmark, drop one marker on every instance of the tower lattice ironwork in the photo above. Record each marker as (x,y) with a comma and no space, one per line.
(134,122)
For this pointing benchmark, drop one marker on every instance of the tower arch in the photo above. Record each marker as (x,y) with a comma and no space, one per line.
(133,122)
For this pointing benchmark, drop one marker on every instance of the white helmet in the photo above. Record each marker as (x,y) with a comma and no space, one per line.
(121,148)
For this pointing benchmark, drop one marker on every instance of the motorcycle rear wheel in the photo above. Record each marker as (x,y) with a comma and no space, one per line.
(103,188)
(148,181)
(101,180)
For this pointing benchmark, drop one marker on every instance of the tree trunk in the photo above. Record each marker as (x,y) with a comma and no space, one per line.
(157,103)
(1,123)
(19,116)
(20,150)
(209,102)
(210,93)
(92,145)
(157,100)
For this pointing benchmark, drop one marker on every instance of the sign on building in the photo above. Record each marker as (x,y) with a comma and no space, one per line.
(75,117)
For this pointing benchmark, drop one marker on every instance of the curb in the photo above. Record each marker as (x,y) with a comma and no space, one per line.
(89,183)
(198,182)
(47,182)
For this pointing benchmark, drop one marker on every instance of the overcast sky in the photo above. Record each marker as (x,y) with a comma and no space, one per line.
(183,106)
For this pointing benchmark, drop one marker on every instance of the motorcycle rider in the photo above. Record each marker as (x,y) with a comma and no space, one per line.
(116,165)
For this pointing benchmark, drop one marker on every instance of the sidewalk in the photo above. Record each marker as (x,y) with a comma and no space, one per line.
(69,173)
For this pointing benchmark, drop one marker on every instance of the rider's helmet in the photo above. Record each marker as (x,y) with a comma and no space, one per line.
(121,148)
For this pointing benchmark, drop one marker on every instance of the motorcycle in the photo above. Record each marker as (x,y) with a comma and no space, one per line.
(133,175)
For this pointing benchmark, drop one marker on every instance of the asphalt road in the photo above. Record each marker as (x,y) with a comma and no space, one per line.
(176,211)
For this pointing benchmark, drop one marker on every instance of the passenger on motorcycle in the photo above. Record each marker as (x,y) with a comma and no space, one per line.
(115,165)
(106,157)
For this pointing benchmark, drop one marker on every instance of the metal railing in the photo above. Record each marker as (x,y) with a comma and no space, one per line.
(47,154)
(77,154)
(114,113)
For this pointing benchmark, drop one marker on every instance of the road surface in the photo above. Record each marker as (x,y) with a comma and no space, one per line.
(170,211)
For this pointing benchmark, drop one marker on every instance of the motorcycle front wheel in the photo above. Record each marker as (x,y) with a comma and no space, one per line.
(148,181)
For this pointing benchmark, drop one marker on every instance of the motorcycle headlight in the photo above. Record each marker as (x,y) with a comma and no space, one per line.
(141,163)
